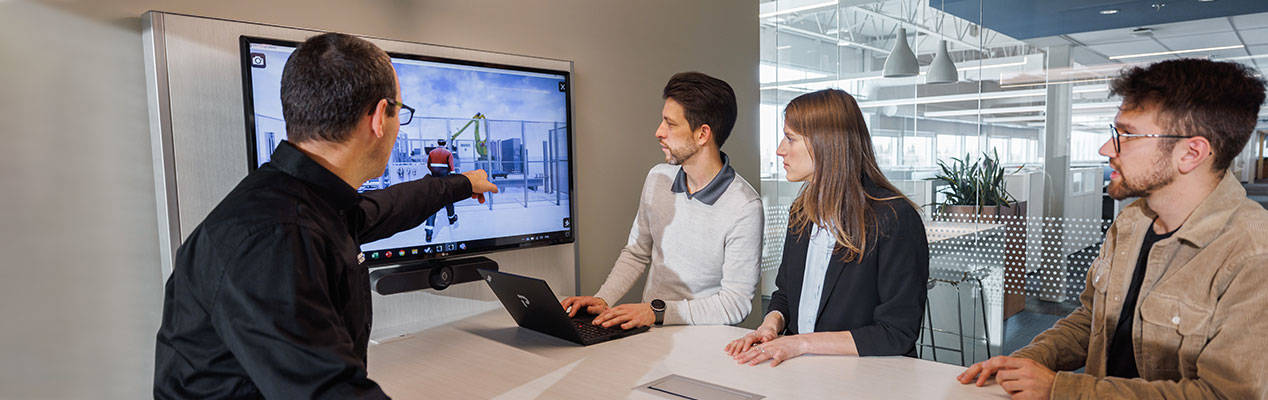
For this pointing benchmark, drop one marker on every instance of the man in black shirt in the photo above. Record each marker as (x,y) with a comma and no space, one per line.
(1121,358)
(268,297)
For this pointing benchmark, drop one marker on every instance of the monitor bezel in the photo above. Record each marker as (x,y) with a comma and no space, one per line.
(489,245)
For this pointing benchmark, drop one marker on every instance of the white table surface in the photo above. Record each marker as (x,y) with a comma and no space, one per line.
(487,356)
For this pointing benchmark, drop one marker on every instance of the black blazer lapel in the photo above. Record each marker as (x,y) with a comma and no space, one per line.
(835,266)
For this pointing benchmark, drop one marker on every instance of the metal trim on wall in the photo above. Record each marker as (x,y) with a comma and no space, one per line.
(160,114)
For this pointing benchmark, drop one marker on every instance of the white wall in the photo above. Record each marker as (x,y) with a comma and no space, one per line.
(80,290)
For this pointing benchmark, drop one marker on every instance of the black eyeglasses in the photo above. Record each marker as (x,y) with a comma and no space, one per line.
(406,113)
(1118,147)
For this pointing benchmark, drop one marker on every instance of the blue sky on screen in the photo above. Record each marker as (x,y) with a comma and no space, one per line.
(461,93)
(440,91)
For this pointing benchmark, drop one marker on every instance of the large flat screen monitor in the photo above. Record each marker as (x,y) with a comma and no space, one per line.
(510,121)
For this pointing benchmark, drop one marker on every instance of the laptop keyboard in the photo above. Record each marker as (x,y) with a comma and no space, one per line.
(590,332)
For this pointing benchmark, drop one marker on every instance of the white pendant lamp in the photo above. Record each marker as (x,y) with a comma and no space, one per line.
(902,61)
(942,70)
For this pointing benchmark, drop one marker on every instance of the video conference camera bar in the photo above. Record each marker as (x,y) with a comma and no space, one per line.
(428,274)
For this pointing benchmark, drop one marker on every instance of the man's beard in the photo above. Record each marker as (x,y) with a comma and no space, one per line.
(681,154)
(1162,174)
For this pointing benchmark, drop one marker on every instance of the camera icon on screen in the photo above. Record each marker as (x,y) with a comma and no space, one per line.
(257,60)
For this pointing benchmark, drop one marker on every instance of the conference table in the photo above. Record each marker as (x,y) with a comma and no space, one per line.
(487,356)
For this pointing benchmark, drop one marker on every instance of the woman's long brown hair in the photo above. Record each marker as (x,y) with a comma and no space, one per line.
(841,149)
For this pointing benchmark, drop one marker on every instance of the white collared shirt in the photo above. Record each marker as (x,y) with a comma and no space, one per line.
(818,254)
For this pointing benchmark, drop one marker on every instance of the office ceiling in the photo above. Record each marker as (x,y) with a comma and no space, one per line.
(1029,19)
(1235,38)
(1009,67)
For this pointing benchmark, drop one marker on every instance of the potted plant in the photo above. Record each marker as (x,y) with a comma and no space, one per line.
(975,187)
(975,191)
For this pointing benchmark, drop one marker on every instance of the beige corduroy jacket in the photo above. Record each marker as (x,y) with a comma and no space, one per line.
(1201,320)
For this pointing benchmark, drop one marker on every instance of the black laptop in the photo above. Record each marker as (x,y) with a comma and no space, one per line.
(534,306)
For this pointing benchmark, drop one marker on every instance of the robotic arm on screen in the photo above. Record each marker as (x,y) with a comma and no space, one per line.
(474,123)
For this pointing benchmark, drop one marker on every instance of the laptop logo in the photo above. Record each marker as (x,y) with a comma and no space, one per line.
(523,300)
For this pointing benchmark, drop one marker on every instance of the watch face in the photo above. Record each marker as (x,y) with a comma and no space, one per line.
(658,305)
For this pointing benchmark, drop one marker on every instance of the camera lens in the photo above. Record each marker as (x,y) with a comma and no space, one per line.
(441,277)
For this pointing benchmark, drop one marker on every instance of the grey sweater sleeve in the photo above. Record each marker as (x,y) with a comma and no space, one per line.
(631,263)
(741,270)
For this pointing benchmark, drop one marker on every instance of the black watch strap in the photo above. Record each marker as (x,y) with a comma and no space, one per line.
(658,308)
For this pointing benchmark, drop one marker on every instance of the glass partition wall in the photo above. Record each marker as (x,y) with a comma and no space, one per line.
(1028,93)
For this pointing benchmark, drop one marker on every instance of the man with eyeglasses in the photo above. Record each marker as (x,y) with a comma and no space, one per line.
(268,297)
(1174,306)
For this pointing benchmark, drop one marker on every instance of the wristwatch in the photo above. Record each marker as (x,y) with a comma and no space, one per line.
(658,308)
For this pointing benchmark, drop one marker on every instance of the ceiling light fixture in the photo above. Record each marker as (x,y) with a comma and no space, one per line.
(901,61)
(1246,57)
(1012,64)
(1014,119)
(986,111)
(1018,109)
(1164,53)
(942,70)
(1111,11)
(950,98)
(1091,89)
(1024,84)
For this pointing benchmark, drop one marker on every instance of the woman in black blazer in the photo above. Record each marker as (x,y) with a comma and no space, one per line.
(856,259)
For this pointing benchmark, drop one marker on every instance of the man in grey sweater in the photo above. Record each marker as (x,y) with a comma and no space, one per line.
(699,224)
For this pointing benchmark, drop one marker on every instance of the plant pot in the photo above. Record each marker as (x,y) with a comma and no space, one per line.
(979,213)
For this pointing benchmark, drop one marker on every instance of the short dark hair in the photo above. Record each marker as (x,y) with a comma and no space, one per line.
(1197,97)
(705,100)
(329,81)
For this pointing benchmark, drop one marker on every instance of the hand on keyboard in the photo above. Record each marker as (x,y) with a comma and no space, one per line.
(627,316)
